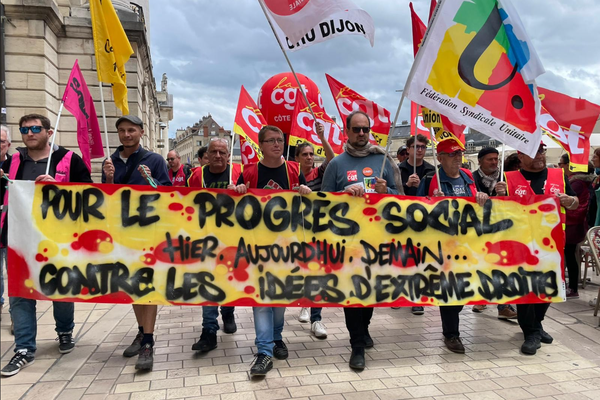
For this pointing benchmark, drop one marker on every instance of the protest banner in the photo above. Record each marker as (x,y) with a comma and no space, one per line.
(182,246)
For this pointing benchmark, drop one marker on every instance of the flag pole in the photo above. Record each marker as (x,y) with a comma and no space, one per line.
(502,164)
(435,163)
(104,119)
(231,158)
(62,103)
(389,140)
(287,59)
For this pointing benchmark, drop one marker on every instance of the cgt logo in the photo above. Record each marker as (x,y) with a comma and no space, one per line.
(521,190)
(554,189)
(346,106)
(306,121)
(288,97)
(252,120)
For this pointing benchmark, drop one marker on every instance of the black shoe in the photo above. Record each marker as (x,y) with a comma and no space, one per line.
(20,360)
(207,342)
(530,345)
(454,344)
(368,341)
(145,358)
(262,364)
(357,358)
(229,325)
(134,348)
(546,338)
(280,350)
(66,343)
(418,310)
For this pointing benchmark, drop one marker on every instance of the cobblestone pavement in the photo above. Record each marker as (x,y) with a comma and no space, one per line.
(409,360)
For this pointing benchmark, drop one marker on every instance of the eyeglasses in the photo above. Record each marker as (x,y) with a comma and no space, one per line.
(170,159)
(357,129)
(273,141)
(420,147)
(34,129)
(454,154)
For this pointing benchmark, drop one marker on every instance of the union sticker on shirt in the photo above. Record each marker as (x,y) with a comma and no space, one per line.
(352,176)
(370,184)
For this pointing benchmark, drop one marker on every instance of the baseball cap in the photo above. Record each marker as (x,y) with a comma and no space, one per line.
(131,118)
(449,146)
(401,149)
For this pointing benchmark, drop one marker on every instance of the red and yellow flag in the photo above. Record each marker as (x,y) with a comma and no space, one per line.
(248,122)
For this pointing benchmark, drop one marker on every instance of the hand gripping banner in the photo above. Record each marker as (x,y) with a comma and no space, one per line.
(119,244)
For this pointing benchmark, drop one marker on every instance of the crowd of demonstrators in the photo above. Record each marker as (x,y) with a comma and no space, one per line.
(4,145)
(358,171)
(215,174)
(457,182)
(29,163)
(131,164)
(272,172)
(178,172)
(305,157)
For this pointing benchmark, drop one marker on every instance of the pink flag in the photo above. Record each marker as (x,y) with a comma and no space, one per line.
(79,102)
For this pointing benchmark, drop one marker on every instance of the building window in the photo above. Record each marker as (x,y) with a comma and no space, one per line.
(198,143)
(213,133)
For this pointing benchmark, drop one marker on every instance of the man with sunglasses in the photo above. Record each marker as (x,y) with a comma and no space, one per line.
(131,164)
(535,178)
(215,175)
(454,182)
(178,173)
(272,172)
(29,163)
(358,171)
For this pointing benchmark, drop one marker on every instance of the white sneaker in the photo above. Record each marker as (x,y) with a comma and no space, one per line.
(593,302)
(318,328)
(304,315)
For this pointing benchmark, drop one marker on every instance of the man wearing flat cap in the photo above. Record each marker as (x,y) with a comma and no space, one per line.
(131,164)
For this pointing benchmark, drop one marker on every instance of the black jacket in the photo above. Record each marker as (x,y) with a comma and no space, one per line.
(406,170)
(480,186)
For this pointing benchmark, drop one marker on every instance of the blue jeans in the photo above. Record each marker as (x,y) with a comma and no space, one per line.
(24,318)
(2,265)
(268,325)
(210,314)
(315,314)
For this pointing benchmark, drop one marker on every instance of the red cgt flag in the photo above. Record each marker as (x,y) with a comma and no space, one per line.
(248,122)
(303,128)
(78,100)
(569,122)
(347,100)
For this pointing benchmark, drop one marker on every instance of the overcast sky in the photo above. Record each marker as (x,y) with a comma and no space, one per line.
(210,48)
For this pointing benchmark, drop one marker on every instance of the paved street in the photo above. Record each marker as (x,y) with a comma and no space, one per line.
(409,360)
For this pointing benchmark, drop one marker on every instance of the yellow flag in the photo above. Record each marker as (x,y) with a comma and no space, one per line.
(112,50)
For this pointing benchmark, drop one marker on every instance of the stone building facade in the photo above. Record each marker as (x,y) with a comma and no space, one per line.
(43,38)
(189,140)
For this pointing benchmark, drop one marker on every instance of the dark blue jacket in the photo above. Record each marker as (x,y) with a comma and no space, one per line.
(154,161)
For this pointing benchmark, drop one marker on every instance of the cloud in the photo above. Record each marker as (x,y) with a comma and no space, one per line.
(210,48)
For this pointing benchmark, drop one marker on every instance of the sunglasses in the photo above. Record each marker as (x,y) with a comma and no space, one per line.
(420,147)
(357,129)
(170,159)
(34,129)
(273,141)
(454,154)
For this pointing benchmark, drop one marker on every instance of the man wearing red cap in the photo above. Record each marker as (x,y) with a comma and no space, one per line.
(535,178)
(457,182)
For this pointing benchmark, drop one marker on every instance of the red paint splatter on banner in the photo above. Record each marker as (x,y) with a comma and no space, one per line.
(227,257)
(547,207)
(91,240)
(318,297)
(546,241)
(511,253)
(378,218)
(39,257)
(75,235)
(370,211)
(249,289)
(532,211)
(76,245)
(189,218)
(175,206)
(85,291)
(189,210)
(149,259)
